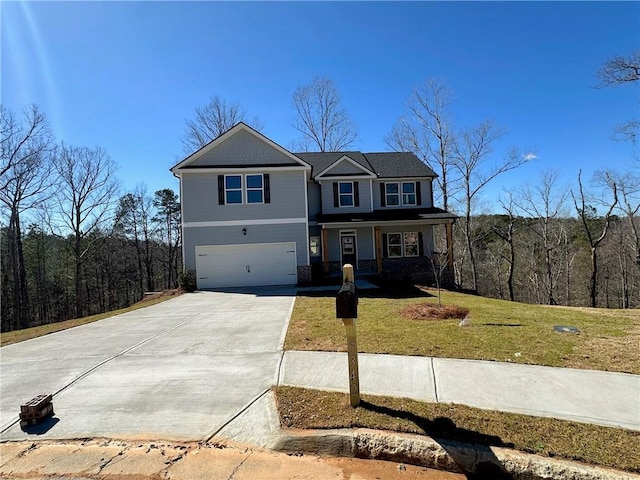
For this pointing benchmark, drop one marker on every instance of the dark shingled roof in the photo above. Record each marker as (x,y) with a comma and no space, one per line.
(385,165)
(386,215)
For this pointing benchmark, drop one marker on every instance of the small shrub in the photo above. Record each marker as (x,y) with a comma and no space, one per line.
(187,281)
(430,311)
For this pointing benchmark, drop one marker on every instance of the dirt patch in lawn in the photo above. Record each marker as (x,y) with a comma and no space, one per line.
(430,311)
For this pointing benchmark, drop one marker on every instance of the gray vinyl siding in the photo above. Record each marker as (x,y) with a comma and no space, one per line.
(315,201)
(292,232)
(200,198)
(426,230)
(346,168)
(364,187)
(365,243)
(425,193)
(243,148)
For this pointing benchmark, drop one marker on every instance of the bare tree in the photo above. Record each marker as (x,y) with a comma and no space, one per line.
(85,197)
(321,119)
(544,204)
(587,216)
(25,179)
(426,131)
(212,120)
(619,70)
(506,232)
(471,153)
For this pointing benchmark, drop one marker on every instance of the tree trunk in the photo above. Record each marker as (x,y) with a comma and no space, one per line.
(593,283)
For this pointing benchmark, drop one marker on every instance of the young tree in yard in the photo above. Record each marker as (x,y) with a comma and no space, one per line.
(588,217)
(85,196)
(426,130)
(212,120)
(471,153)
(319,116)
(26,147)
(168,220)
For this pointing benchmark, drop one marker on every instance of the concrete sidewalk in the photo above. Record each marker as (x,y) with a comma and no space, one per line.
(589,396)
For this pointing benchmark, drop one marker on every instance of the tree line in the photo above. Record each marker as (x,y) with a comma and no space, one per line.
(71,245)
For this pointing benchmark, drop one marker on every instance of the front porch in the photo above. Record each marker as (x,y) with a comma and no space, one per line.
(403,247)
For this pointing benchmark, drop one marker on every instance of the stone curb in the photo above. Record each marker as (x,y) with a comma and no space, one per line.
(478,461)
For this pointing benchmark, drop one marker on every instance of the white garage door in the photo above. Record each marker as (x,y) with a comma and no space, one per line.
(246,265)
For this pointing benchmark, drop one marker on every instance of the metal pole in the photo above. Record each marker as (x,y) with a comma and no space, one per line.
(352,345)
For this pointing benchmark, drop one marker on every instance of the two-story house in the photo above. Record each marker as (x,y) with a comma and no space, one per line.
(254,213)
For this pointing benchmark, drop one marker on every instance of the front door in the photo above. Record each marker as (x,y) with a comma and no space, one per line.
(348,248)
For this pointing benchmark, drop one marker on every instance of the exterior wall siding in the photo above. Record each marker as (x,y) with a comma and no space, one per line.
(425,194)
(294,232)
(346,168)
(364,189)
(315,202)
(243,148)
(200,198)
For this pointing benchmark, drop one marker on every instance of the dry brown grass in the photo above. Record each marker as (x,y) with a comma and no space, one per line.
(593,444)
(430,311)
(7,338)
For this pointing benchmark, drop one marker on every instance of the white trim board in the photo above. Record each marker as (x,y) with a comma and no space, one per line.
(240,223)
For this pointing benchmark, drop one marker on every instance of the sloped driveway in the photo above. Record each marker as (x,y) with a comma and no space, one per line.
(180,369)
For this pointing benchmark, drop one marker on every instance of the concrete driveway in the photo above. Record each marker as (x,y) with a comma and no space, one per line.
(181,369)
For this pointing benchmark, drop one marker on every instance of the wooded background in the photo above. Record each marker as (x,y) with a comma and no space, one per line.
(73,244)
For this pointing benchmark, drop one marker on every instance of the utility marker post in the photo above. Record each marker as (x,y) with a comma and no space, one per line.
(347,310)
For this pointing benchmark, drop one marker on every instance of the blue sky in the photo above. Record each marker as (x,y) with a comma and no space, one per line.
(126,75)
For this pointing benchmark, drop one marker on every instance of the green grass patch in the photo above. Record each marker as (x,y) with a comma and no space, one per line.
(497,330)
(7,338)
(603,446)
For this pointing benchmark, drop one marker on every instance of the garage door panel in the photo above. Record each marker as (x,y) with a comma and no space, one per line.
(246,265)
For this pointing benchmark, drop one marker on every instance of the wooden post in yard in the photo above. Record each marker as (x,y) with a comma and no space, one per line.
(352,345)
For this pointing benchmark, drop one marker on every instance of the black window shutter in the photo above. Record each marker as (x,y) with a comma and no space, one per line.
(418,194)
(335,194)
(420,245)
(356,194)
(220,189)
(267,188)
(383,197)
(384,245)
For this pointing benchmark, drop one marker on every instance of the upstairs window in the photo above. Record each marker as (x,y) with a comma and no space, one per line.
(239,189)
(233,189)
(408,193)
(392,194)
(255,188)
(395,194)
(345,194)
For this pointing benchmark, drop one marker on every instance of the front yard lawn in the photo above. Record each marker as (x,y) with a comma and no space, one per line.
(604,446)
(497,330)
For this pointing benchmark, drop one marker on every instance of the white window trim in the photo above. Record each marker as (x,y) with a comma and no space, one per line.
(247,189)
(241,189)
(404,245)
(395,244)
(415,194)
(353,196)
(403,250)
(386,195)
